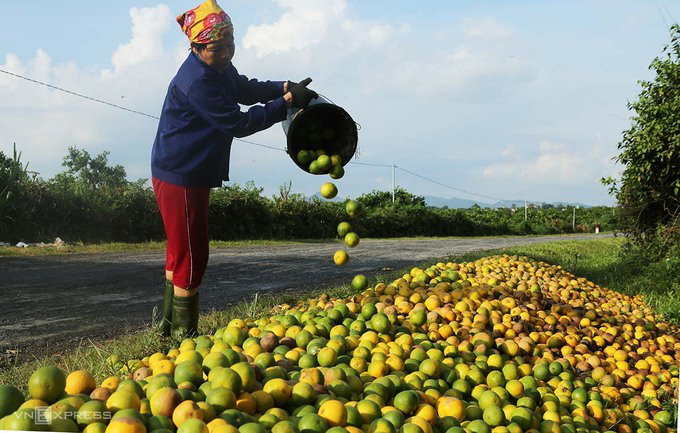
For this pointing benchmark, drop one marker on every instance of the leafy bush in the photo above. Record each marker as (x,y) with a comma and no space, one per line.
(93,202)
(649,189)
(239,212)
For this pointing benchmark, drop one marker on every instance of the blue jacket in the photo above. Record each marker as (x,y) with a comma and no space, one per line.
(201,117)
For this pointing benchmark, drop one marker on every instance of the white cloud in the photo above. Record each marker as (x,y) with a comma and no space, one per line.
(44,121)
(148,26)
(550,163)
(40,65)
(306,23)
(12,64)
(463,70)
(462,64)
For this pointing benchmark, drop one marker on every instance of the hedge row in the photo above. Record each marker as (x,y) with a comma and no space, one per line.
(130,214)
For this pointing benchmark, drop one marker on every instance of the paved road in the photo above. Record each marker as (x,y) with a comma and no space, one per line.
(51,303)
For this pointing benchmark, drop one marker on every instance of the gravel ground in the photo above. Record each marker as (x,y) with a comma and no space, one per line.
(51,303)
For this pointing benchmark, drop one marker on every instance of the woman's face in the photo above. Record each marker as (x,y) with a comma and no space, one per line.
(218,54)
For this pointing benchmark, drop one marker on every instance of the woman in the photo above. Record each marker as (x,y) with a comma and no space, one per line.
(200,118)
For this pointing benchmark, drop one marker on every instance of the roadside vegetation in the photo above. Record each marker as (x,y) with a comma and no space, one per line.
(92,202)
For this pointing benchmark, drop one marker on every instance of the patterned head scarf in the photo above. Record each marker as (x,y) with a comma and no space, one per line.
(206,23)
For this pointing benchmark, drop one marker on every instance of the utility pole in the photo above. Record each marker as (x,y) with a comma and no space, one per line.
(393,176)
(526,215)
(573,219)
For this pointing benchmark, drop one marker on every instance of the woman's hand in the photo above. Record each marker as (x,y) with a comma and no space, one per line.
(287,85)
(300,95)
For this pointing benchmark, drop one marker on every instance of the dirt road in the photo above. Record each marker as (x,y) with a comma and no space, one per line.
(50,303)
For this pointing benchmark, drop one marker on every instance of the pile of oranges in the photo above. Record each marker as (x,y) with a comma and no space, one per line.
(499,345)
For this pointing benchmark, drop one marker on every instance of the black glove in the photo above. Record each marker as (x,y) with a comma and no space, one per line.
(301,94)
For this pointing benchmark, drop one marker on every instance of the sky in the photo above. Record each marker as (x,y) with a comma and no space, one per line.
(510,100)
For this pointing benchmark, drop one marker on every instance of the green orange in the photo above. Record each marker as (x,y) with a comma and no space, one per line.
(312,423)
(47,383)
(10,399)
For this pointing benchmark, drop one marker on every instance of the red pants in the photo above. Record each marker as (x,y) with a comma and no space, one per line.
(185,217)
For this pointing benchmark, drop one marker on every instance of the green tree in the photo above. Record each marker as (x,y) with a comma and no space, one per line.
(93,173)
(649,189)
(377,198)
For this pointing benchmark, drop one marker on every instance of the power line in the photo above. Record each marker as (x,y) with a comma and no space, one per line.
(668,13)
(77,94)
(370,165)
(447,186)
(663,17)
(80,95)
(261,145)
(425,178)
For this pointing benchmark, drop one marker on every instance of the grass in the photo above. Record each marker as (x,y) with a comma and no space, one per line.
(126,247)
(598,260)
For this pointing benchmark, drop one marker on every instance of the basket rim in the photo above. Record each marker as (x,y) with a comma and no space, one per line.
(354,136)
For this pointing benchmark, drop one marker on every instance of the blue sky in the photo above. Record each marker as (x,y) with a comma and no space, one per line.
(517,100)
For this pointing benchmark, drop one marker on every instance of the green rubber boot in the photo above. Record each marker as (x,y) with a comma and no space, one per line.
(184,317)
(166,319)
